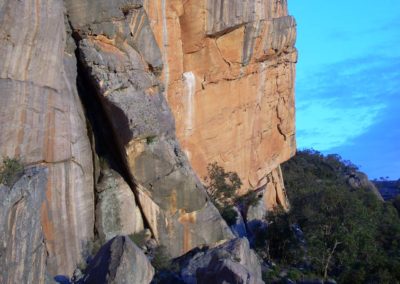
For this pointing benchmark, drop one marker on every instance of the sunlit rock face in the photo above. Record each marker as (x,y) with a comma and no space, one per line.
(229,69)
(180,84)
(122,60)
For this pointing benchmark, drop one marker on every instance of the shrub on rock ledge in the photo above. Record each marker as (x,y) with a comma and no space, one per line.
(10,171)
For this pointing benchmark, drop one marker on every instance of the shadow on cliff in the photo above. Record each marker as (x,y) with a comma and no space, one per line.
(105,143)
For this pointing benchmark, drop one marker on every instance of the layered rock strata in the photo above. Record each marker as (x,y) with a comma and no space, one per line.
(223,70)
(23,251)
(119,54)
(229,79)
(43,124)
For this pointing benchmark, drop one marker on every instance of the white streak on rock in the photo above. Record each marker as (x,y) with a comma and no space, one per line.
(190,89)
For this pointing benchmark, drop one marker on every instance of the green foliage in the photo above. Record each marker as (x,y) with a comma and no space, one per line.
(150,139)
(94,246)
(295,274)
(104,163)
(271,275)
(278,241)
(10,171)
(229,214)
(396,203)
(350,234)
(161,259)
(221,185)
(139,238)
(82,265)
(249,199)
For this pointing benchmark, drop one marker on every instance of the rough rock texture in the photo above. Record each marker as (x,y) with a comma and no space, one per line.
(239,227)
(42,122)
(119,261)
(116,209)
(229,70)
(273,196)
(360,180)
(22,244)
(231,262)
(120,55)
(223,69)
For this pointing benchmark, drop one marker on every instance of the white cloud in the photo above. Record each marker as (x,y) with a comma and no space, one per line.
(322,125)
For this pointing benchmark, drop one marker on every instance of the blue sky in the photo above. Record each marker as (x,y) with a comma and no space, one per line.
(348,81)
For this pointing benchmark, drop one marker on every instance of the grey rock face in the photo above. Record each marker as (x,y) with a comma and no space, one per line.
(239,228)
(227,15)
(258,211)
(122,58)
(231,262)
(360,180)
(22,245)
(260,18)
(116,209)
(42,122)
(119,261)
(124,20)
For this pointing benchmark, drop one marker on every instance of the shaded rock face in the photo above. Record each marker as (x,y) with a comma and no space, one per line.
(116,209)
(119,261)
(231,262)
(229,69)
(42,123)
(120,56)
(272,195)
(239,227)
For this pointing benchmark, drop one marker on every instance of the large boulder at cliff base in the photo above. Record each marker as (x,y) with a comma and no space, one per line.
(119,261)
(116,210)
(230,262)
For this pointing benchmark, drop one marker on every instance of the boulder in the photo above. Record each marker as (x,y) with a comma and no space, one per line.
(230,262)
(360,180)
(116,209)
(119,261)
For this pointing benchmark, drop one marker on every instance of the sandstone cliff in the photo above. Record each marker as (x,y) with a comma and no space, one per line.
(109,105)
(229,69)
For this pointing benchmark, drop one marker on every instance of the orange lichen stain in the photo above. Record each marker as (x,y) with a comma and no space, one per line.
(47,225)
(173,202)
(107,45)
(104,39)
(151,91)
(186,219)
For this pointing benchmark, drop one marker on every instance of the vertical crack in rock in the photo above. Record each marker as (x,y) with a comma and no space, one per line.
(105,139)
(122,61)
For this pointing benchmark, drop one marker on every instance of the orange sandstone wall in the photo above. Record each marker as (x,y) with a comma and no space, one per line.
(229,69)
